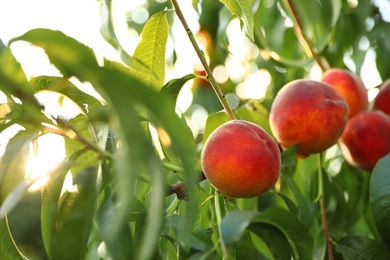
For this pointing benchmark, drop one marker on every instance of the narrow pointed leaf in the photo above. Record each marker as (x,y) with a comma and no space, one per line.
(173,87)
(380,197)
(74,218)
(13,161)
(151,51)
(63,86)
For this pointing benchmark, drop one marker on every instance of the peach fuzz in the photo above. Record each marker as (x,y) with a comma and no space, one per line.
(366,139)
(241,160)
(382,99)
(308,113)
(350,86)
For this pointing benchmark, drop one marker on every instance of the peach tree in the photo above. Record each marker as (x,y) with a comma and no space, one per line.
(138,187)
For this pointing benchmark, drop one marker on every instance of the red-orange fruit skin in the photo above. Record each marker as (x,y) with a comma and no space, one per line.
(382,99)
(366,139)
(350,86)
(308,113)
(241,160)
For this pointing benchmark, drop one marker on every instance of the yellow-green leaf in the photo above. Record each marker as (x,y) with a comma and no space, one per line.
(150,51)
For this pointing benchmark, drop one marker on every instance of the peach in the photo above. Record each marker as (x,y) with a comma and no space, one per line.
(350,86)
(308,113)
(382,100)
(366,139)
(241,160)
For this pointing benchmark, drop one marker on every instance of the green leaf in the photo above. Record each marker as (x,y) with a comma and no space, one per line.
(13,161)
(173,87)
(317,19)
(213,122)
(15,196)
(272,242)
(13,83)
(8,248)
(289,156)
(150,51)
(69,56)
(182,229)
(305,215)
(122,91)
(235,223)
(50,203)
(380,197)
(278,40)
(243,10)
(64,87)
(118,243)
(254,112)
(73,221)
(362,248)
(107,30)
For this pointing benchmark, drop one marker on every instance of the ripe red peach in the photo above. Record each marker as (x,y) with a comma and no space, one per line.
(241,160)
(382,100)
(308,113)
(366,139)
(350,86)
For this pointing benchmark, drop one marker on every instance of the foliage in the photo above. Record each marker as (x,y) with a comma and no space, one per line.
(138,196)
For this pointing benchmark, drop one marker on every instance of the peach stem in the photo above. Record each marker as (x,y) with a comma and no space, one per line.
(323,210)
(199,52)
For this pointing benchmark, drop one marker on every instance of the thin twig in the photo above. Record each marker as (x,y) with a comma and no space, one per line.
(323,211)
(203,60)
(305,42)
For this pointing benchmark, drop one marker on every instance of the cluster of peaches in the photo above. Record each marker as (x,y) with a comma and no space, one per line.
(242,160)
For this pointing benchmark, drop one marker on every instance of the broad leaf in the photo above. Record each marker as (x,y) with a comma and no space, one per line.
(151,51)
(362,248)
(74,218)
(8,248)
(235,223)
(182,229)
(243,10)
(305,208)
(380,197)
